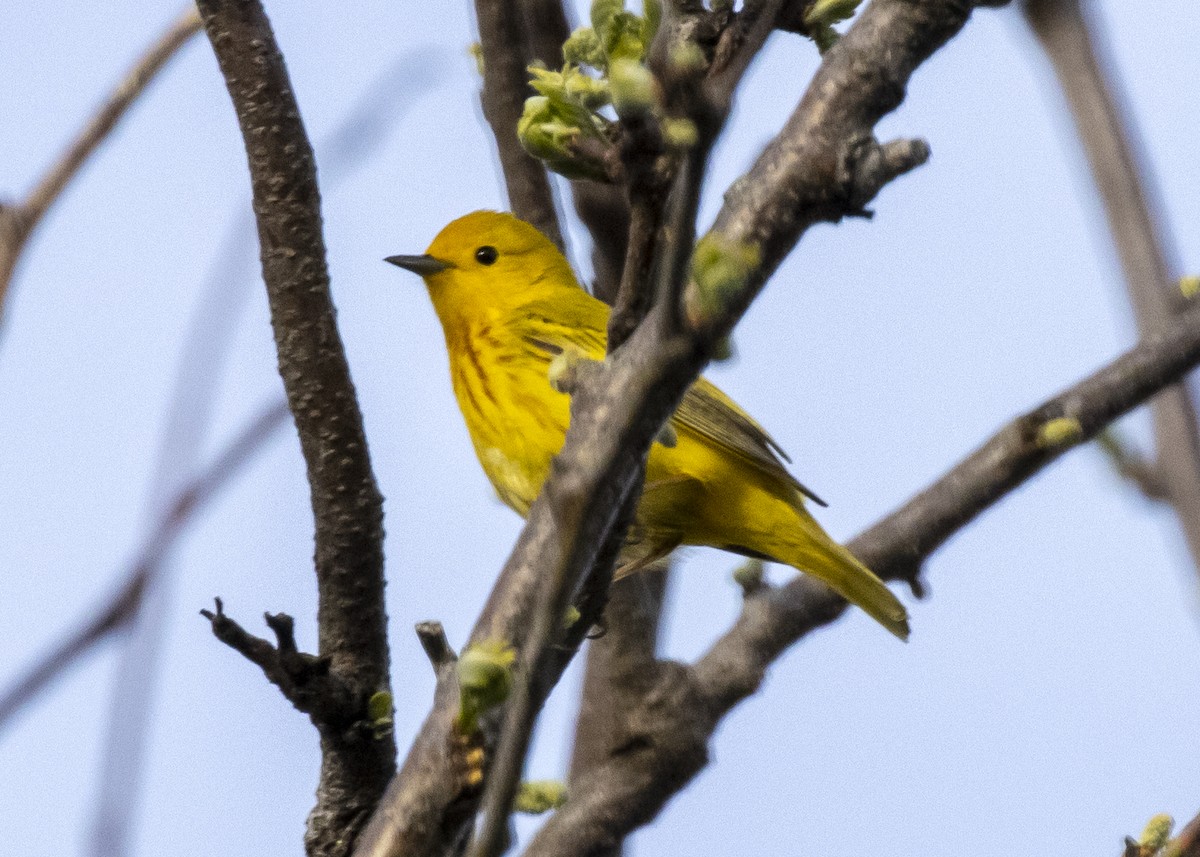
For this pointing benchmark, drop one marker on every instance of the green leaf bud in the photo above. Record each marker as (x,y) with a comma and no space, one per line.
(622,34)
(749,576)
(688,59)
(634,89)
(603,12)
(1062,431)
(826,12)
(825,37)
(1156,833)
(546,135)
(538,796)
(720,269)
(379,706)
(583,47)
(484,680)
(651,18)
(680,133)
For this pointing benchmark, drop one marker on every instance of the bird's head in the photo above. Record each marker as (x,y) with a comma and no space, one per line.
(487,262)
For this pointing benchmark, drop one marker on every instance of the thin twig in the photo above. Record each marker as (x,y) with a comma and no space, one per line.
(1136,224)
(111,616)
(679,714)
(117,609)
(437,648)
(19,220)
(347,506)
(1133,466)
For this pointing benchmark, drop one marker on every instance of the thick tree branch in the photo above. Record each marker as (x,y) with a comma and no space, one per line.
(621,667)
(347,506)
(1109,138)
(227,283)
(19,220)
(505,87)
(666,743)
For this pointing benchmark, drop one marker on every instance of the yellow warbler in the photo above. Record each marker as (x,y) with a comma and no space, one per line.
(509,304)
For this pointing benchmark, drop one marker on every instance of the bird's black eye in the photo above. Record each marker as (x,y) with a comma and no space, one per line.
(486,255)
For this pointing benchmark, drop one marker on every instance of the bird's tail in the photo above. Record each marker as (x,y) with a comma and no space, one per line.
(818,554)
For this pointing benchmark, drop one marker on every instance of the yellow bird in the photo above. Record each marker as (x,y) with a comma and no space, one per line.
(509,304)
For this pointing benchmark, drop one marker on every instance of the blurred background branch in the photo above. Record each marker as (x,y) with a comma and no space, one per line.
(19,220)
(119,609)
(1072,39)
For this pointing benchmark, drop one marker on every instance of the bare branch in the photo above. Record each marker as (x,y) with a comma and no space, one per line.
(505,87)
(437,648)
(739,44)
(1133,466)
(680,713)
(304,680)
(1109,138)
(18,221)
(545,28)
(347,506)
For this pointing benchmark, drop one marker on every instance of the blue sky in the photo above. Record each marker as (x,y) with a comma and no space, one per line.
(1047,695)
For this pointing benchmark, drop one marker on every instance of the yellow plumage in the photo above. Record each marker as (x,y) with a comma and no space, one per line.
(509,303)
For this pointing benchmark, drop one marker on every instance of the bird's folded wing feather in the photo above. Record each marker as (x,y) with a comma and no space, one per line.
(577,321)
(710,413)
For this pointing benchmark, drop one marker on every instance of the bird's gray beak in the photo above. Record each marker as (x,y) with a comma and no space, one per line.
(424,265)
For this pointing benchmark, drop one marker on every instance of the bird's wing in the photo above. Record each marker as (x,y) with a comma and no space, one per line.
(710,413)
(571,320)
(574,319)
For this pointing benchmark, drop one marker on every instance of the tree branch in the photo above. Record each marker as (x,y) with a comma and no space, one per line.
(505,87)
(667,742)
(621,667)
(1109,139)
(18,221)
(347,506)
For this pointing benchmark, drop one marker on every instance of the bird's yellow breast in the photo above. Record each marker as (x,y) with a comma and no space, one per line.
(517,421)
